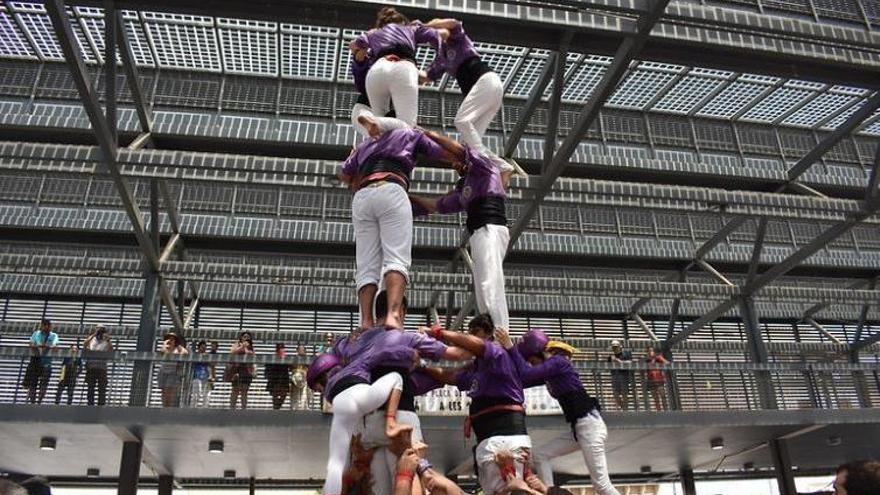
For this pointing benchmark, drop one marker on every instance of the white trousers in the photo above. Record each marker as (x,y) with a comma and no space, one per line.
(385,123)
(383,230)
(199,390)
(396,82)
(349,407)
(477,111)
(488,246)
(384,465)
(490,475)
(591,434)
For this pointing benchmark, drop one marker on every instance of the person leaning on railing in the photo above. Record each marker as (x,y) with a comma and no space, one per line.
(240,375)
(169,373)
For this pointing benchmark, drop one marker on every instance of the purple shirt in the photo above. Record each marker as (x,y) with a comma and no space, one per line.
(453,52)
(409,36)
(399,145)
(556,372)
(359,73)
(363,364)
(422,383)
(494,375)
(481,180)
(377,338)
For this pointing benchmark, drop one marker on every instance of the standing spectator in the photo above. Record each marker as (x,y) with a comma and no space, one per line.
(212,381)
(620,379)
(655,379)
(39,369)
(278,378)
(98,341)
(327,346)
(169,372)
(241,374)
(300,395)
(70,368)
(201,379)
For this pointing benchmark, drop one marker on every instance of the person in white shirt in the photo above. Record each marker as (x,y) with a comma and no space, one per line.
(98,341)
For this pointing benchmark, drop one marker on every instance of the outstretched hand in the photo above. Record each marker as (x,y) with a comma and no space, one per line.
(503,337)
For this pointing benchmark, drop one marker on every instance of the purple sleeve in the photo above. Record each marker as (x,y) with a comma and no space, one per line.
(534,375)
(457,30)
(363,41)
(359,73)
(422,383)
(498,360)
(450,203)
(478,163)
(350,166)
(427,35)
(464,380)
(428,347)
(429,148)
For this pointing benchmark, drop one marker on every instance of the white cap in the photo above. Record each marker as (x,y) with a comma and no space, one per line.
(615,343)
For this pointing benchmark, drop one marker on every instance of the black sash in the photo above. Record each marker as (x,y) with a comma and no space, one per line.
(469,72)
(484,211)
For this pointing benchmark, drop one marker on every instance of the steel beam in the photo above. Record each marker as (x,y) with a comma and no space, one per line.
(834,137)
(755,260)
(531,105)
(103,133)
(110,93)
(757,352)
(626,52)
(554,107)
(145,115)
(645,328)
(129,468)
(715,273)
(819,328)
(688,486)
(783,466)
(863,314)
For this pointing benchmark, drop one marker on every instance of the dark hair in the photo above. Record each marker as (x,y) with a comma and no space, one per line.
(201,343)
(45,321)
(862,477)
(483,322)
(389,15)
(382,304)
(279,345)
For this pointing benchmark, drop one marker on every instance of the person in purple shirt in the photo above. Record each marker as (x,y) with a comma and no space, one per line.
(362,110)
(373,433)
(348,389)
(393,75)
(378,170)
(496,413)
(481,87)
(549,363)
(480,192)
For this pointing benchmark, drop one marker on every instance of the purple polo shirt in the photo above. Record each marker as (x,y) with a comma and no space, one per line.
(556,372)
(453,52)
(422,383)
(361,366)
(378,338)
(398,145)
(495,375)
(375,41)
(481,180)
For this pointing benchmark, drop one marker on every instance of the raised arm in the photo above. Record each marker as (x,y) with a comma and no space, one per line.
(450,146)
(474,345)
(423,206)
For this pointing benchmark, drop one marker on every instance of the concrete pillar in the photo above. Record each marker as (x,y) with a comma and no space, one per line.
(129,468)
(166,484)
(782,465)
(687,481)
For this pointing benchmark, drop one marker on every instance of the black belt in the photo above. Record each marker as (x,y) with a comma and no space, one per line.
(344,384)
(499,423)
(402,51)
(485,211)
(378,165)
(469,72)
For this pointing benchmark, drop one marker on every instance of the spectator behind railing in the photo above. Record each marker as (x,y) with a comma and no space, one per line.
(655,379)
(620,379)
(278,378)
(39,369)
(169,371)
(98,340)
(300,394)
(240,375)
(70,368)
(858,478)
(327,346)
(201,379)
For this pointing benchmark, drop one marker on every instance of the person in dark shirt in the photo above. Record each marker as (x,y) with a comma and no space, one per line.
(70,368)
(278,378)
(858,478)
(620,379)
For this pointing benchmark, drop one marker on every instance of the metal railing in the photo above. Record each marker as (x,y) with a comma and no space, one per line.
(687,386)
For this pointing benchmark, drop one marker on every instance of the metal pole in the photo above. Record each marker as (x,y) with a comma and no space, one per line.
(782,464)
(757,352)
(687,481)
(129,468)
(166,484)
(110,68)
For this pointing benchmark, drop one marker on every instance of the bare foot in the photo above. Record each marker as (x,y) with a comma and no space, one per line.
(370,125)
(392,431)
(505,178)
